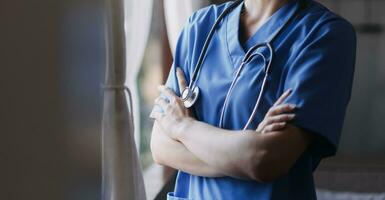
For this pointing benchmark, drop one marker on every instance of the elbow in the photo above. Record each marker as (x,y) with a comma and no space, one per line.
(263,175)
(264,168)
(154,146)
(154,152)
(156,158)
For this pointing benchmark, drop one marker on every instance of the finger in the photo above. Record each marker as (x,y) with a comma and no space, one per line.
(181,79)
(152,114)
(274,127)
(261,126)
(279,118)
(167,92)
(162,103)
(283,97)
(156,109)
(279,109)
(157,116)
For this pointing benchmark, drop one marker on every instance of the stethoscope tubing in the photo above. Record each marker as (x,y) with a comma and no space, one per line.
(247,59)
(203,53)
(249,56)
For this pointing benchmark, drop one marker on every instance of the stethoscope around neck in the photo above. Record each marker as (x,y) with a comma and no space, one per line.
(190,94)
(250,55)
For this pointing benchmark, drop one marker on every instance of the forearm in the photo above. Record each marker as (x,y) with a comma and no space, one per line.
(174,154)
(239,154)
(232,152)
(245,154)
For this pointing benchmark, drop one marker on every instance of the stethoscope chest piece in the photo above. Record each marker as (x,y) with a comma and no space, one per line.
(190,96)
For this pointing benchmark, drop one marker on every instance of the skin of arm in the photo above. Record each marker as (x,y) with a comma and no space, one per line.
(252,155)
(184,143)
(244,154)
(239,154)
(171,153)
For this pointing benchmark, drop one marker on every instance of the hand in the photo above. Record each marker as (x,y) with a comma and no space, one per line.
(277,116)
(174,112)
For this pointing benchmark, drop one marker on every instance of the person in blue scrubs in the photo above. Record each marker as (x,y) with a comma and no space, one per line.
(275,158)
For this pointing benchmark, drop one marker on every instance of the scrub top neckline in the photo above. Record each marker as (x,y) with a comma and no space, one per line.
(262,34)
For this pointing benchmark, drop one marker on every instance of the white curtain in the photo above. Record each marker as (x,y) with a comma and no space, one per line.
(138,15)
(177,13)
(127,26)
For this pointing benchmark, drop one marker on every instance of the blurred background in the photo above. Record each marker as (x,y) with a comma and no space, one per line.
(52,62)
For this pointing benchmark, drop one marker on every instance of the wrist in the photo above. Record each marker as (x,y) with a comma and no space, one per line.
(181,128)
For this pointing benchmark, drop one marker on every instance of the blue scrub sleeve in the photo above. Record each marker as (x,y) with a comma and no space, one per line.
(172,81)
(180,60)
(321,78)
(181,57)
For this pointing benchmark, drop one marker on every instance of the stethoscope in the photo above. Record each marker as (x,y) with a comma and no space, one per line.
(190,94)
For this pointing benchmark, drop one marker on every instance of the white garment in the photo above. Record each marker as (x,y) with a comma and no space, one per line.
(127,29)
(137,26)
(177,13)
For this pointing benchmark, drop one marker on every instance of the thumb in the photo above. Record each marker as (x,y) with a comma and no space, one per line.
(181,79)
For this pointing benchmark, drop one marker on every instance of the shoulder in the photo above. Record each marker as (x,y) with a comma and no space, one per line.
(196,30)
(323,40)
(207,16)
(319,20)
(200,22)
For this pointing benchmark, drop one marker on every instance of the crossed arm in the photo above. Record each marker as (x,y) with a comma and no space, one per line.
(181,142)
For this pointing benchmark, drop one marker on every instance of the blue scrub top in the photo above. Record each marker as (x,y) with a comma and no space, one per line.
(314,56)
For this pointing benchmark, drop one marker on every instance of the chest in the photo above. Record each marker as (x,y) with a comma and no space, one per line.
(218,73)
(224,94)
